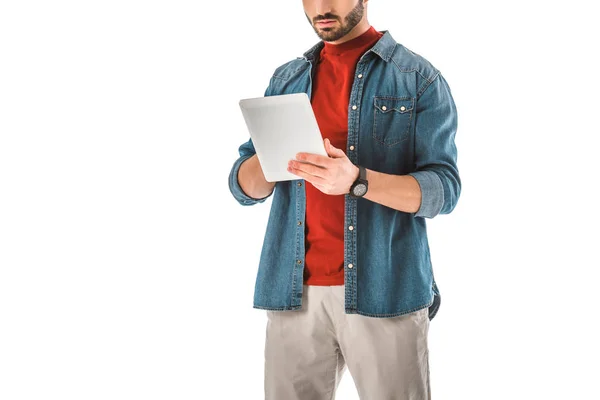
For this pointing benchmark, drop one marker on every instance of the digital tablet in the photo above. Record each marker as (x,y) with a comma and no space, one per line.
(280,127)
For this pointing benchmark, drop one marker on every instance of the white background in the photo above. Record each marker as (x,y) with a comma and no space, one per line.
(128,269)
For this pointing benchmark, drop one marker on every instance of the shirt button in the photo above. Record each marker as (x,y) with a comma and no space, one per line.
(350,265)
(383,108)
(402,108)
(354,107)
(360,75)
(351,147)
(299,261)
(299,183)
(299,223)
(351,227)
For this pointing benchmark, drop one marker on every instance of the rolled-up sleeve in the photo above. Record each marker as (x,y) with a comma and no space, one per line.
(246,150)
(435,151)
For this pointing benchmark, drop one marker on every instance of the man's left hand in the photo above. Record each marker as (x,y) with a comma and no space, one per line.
(332,175)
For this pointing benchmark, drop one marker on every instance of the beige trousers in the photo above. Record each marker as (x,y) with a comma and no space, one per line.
(307,351)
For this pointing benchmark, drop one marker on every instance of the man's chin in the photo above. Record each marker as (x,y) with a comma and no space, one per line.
(328,36)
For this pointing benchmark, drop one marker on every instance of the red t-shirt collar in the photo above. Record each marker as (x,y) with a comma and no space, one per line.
(369,35)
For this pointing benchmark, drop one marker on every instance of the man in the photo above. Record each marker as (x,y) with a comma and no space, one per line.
(345,272)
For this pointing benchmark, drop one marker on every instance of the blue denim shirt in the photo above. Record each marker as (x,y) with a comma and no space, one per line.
(401,120)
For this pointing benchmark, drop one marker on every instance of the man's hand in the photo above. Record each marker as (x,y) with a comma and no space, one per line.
(332,175)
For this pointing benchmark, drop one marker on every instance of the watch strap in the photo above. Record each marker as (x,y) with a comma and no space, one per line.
(362,173)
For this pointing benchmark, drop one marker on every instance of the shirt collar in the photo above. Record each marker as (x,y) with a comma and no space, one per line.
(383,48)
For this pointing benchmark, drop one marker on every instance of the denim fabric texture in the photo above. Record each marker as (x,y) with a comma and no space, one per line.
(401,120)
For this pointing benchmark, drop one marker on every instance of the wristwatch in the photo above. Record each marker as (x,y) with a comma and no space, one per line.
(360,186)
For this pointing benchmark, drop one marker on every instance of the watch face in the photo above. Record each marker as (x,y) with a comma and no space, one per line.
(360,189)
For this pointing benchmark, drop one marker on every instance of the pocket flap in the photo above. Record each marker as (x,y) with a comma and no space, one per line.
(399,104)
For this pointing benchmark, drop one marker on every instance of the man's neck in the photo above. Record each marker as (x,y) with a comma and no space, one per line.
(355,32)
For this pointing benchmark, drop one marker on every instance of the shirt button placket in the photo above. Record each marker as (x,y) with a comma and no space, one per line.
(351,227)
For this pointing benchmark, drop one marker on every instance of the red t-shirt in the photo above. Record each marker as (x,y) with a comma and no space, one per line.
(332,83)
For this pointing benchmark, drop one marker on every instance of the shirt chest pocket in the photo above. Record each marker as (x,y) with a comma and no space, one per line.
(392,119)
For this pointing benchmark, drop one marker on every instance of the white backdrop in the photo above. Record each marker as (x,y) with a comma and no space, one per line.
(127,269)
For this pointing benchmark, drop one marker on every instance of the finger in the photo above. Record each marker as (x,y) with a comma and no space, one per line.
(333,151)
(317,159)
(328,147)
(309,177)
(309,169)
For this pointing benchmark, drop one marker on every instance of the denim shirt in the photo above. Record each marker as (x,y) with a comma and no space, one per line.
(401,120)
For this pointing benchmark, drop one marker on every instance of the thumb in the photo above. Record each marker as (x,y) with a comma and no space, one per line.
(333,151)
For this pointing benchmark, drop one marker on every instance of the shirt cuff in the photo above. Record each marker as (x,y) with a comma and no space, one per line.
(432,193)
(236,189)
